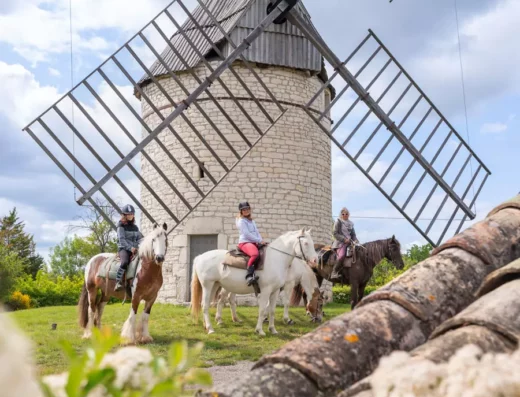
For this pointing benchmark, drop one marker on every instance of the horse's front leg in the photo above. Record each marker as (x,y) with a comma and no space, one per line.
(145,336)
(354,289)
(128,331)
(262,305)
(272,306)
(361,290)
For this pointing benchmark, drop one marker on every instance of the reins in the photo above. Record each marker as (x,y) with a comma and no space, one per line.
(294,256)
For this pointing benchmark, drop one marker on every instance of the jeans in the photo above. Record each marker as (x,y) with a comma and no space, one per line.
(125,258)
(342,251)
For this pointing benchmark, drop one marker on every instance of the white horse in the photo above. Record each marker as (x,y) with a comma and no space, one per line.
(299,273)
(209,273)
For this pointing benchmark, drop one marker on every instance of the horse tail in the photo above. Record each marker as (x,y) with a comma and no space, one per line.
(196,295)
(83,307)
(297,295)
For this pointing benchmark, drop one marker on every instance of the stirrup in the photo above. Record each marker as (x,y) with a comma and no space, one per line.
(252,279)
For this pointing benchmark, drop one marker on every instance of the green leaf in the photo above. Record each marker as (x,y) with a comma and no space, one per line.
(164,387)
(178,355)
(47,392)
(67,348)
(198,376)
(105,376)
(76,376)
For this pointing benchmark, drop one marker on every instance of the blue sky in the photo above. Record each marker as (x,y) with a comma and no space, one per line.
(35,71)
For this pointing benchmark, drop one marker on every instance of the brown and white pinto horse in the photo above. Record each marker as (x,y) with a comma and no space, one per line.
(145,286)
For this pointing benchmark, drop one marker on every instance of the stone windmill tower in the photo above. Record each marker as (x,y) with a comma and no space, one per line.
(286,178)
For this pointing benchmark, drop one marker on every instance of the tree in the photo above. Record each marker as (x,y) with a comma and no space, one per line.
(15,240)
(418,253)
(100,231)
(11,267)
(70,257)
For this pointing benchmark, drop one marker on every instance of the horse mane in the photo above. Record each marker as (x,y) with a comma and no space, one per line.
(373,251)
(146,247)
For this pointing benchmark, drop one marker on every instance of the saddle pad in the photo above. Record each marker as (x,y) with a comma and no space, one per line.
(111,265)
(238,259)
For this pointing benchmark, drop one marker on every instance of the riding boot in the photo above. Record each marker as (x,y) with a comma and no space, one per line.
(251,277)
(119,279)
(336,270)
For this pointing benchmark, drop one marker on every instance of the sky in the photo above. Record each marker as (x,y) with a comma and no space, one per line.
(35,71)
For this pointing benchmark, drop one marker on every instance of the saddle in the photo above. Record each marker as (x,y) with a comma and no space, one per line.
(238,259)
(324,255)
(109,267)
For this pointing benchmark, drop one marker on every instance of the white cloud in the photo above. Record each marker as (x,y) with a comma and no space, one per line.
(493,128)
(490,63)
(54,72)
(41,224)
(22,27)
(22,97)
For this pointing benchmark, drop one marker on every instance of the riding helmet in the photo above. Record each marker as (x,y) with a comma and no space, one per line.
(128,210)
(243,206)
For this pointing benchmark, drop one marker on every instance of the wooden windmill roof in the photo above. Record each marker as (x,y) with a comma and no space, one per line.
(280,45)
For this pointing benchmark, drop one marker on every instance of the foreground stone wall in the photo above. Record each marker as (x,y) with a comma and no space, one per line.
(402,315)
(286,177)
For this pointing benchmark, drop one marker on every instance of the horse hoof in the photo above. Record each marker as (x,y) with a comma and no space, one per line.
(220,322)
(211,332)
(273,331)
(86,336)
(145,339)
(236,320)
(260,332)
(266,320)
(290,322)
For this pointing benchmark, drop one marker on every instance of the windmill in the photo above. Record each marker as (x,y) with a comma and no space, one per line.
(381,116)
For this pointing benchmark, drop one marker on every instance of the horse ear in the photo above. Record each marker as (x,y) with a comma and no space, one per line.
(302,232)
(393,238)
(165,226)
(309,231)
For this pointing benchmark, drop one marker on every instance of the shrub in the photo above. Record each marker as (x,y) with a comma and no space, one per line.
(47,290)
(341,294)
(19,301)
(131,371)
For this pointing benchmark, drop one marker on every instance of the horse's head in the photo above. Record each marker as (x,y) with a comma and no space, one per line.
(155,245)
(394,253)
(315,306)
(304,247)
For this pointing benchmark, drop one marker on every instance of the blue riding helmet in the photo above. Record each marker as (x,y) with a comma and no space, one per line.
(128,210)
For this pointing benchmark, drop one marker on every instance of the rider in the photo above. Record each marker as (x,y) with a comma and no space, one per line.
(250,239)
(128,236)
(344,235)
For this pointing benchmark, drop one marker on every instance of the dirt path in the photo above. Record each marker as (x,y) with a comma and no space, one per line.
(223,375)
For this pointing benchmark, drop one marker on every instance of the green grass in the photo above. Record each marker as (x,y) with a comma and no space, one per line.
(229,344)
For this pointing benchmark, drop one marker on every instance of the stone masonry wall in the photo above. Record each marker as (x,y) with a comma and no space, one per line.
(286,178)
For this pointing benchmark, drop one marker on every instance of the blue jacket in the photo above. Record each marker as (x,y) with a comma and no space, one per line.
(248,231)
(128,236)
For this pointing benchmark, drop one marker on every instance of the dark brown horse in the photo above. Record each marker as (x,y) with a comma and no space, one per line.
(365,258)
(145,286)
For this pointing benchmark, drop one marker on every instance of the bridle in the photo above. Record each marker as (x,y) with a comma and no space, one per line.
(294,256)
